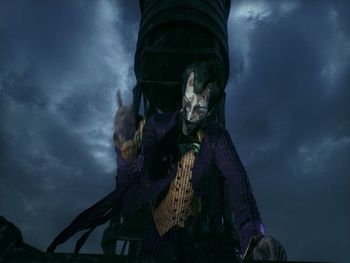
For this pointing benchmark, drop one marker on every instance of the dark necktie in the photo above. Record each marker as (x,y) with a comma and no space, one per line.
(188,142)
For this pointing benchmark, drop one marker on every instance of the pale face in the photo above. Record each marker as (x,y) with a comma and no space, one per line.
(195,106)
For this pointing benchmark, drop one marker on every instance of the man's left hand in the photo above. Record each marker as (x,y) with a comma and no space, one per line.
(267,248)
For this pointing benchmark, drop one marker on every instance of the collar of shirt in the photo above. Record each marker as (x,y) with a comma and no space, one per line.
(188,142)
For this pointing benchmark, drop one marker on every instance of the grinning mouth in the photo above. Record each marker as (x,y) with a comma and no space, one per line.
(190,125)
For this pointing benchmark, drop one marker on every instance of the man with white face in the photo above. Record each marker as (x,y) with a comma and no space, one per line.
(182,203)
(176,153)
(194,106)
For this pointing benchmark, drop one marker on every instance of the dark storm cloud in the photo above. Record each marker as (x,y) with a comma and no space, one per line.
(290,119)
(60,66)
(61,63)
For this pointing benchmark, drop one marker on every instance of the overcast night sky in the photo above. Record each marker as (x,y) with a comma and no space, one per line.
(287,111)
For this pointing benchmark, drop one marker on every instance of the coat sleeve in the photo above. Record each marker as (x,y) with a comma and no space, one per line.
(128,169)
(133,173)
(240,196)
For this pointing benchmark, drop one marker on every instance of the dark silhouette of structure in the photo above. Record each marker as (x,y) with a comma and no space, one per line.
(172,35)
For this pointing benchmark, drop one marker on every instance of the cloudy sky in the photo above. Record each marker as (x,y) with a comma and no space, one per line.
(61,63)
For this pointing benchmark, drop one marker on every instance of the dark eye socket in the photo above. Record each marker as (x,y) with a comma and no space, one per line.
(186,102)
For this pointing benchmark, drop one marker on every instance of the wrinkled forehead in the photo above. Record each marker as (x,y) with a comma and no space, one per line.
(200,99)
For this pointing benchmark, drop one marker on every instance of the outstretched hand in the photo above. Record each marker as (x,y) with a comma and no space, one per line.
(124,122)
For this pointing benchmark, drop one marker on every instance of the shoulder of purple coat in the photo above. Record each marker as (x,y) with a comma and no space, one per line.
(215,131)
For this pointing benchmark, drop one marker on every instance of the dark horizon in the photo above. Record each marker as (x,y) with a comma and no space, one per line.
(286,109)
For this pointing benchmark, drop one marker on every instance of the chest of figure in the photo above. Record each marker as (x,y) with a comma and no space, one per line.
(169,156)
(179,202)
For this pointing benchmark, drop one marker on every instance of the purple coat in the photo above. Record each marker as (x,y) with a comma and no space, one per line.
(156,168)
(142,179)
